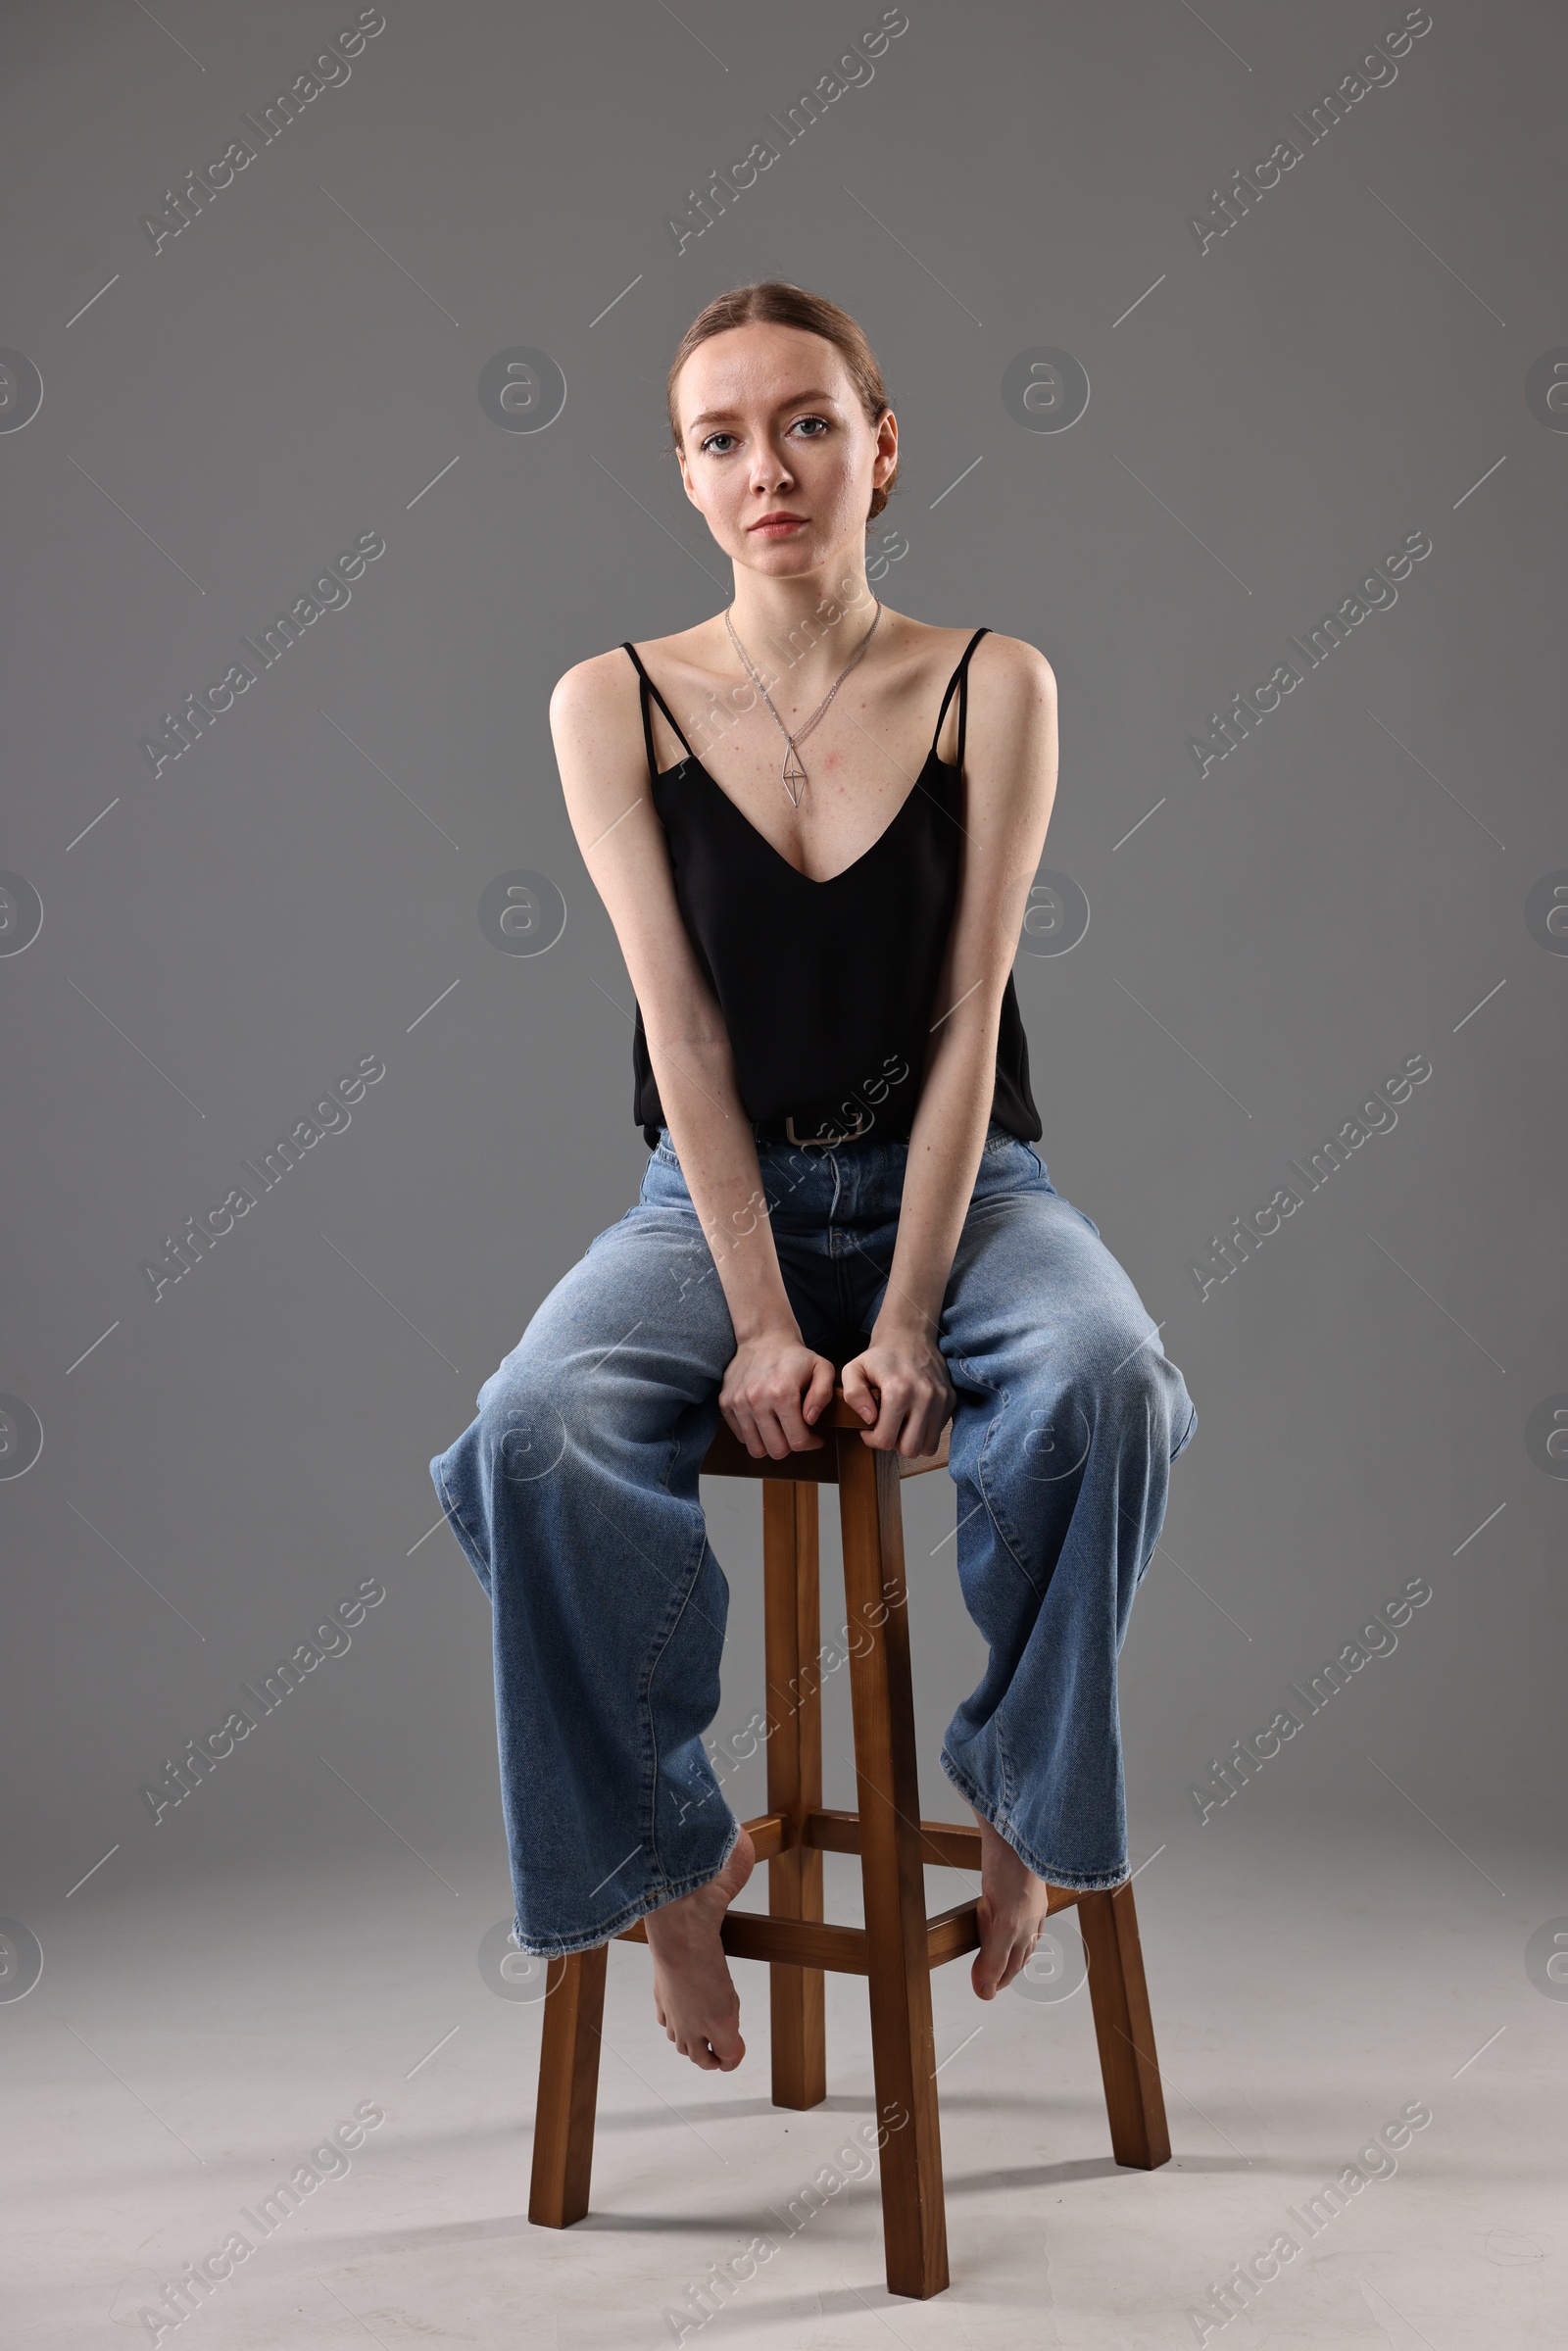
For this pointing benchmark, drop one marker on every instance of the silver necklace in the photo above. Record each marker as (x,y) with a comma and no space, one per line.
(794,768)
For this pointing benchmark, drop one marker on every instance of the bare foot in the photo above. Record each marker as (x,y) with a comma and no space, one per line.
(694,1993)
(1013,1911)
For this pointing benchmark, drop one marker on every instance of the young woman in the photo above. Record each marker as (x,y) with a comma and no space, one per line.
(817,884)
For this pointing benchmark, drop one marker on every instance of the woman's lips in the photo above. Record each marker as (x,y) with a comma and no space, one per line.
(774,526)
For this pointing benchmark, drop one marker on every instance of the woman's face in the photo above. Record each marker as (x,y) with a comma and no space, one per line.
(771,425)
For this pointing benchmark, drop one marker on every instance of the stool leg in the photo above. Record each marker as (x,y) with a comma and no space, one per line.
(882,1694)
(792,1613)
(568,2088)
(1124,2028)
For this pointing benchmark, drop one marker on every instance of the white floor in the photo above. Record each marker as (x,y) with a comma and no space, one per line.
(181,2056)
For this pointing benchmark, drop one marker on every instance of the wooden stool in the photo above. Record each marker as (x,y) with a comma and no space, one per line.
(899,1945)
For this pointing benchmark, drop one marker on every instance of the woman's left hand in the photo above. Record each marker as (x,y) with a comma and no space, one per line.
(901,1388)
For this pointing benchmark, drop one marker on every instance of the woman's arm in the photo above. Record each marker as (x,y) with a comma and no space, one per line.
(775,1386)
(899,1383)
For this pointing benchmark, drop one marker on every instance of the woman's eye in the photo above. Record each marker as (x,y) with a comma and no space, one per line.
(801,422)
(714,438)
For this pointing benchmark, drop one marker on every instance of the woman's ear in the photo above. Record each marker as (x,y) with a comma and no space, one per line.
(887,449)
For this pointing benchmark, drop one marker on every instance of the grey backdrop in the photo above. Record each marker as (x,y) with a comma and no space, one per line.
(1271,411)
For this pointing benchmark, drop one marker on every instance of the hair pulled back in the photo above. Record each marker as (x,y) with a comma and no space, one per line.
(774,301)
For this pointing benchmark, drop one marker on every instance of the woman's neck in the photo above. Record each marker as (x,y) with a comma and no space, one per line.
(803,629)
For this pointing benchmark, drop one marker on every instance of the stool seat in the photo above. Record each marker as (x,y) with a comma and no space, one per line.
(898,1945)
(727,1457)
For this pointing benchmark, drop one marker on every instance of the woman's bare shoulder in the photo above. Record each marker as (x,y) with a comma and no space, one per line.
(603,688)
(999,658)
(593,689)
(1014,659)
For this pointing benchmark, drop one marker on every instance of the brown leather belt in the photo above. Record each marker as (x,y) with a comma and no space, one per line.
(822,1135)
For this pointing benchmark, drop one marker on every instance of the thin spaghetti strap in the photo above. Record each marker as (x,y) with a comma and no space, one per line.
(648,724)
(964,691)
(960,679)
(648,687)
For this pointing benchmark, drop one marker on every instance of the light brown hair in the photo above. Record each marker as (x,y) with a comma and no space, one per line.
(773,302)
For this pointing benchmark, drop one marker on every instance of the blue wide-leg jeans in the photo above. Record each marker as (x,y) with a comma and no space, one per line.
(573,1495)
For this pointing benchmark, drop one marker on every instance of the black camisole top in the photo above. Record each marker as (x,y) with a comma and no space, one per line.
(827,988)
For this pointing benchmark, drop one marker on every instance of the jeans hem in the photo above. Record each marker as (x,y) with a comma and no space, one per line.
(1074,1881)
(564,1947)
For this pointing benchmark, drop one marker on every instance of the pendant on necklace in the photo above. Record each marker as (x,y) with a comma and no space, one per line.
(794,774)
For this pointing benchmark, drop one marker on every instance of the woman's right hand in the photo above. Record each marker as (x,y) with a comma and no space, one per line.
(774,1389)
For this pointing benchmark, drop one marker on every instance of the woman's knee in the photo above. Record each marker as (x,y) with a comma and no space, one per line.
(1115,1381)
(1138,1391)
(541,1408)
(526,1414)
